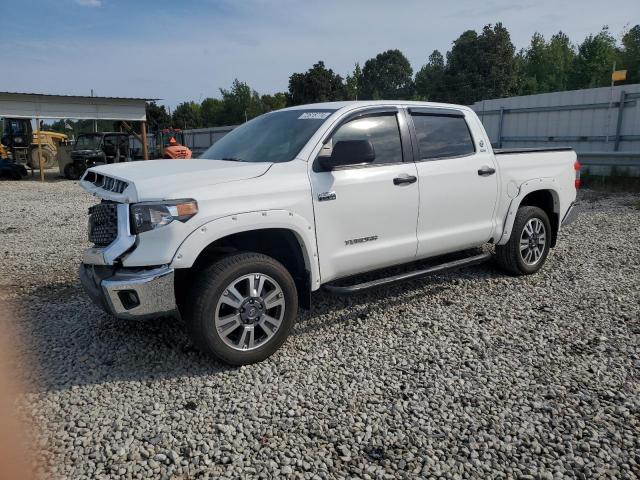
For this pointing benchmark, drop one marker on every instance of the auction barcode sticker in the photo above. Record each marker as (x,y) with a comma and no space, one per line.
(314,115)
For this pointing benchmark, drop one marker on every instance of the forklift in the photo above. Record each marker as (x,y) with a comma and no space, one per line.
(171,142)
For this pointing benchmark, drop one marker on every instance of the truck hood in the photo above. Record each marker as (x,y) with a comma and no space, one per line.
(132,182)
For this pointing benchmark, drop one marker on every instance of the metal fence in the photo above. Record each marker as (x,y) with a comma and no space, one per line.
(198,140)
(601,124)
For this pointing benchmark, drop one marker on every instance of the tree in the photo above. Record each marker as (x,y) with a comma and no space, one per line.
(157,117)
(462,75)
(318,84)
(211,112)
(562,57)
(187,115)
(546,66)
(499,66)
(353,83)
(630,54)
(594,61)
(429,81)
(481,66)
(240,103)
(274,102)
(389,76)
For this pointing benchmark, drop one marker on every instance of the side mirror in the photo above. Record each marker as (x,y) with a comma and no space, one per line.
(349,152)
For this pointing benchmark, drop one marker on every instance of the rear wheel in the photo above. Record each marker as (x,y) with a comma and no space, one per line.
(527,249)
(48,157)
(242,308)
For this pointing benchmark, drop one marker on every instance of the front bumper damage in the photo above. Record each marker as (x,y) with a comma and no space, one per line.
(131,293)
(127,293)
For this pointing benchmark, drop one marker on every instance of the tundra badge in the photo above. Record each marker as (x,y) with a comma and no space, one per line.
(355,241)
(325,196)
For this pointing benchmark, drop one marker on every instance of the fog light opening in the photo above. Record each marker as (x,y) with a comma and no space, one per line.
(129,299)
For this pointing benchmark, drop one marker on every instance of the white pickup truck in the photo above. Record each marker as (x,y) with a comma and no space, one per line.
(291,201)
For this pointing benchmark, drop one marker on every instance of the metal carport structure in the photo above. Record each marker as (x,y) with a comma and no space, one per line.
(44,106)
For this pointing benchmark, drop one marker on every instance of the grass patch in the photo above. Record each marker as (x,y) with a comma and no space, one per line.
(611,183)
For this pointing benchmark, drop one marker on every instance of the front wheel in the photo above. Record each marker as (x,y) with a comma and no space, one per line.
(527,249)
(241,308)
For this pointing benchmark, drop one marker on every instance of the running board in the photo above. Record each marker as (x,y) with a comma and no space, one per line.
(403,277)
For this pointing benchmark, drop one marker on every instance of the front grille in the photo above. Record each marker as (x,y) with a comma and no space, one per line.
(108,183)
(103,224)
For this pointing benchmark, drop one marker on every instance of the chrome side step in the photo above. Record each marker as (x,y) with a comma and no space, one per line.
(361,287)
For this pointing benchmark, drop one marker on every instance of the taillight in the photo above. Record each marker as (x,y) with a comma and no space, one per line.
(576,167)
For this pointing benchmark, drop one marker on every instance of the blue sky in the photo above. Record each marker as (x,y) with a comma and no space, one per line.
(186,50)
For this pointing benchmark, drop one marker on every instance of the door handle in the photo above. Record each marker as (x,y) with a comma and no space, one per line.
(485,171)
(404,180)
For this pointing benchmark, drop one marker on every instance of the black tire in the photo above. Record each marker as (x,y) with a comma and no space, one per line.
(71,172)
(48,157)
(509,256)
(208,287)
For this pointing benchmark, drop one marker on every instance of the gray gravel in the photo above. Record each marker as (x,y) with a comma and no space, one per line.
(466,375)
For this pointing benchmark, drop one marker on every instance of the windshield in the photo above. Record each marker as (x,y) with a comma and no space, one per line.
(88,142)
(273,137)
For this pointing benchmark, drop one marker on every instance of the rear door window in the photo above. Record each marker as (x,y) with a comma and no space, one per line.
(442,136)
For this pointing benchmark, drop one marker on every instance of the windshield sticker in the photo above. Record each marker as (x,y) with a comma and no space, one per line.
(314,115)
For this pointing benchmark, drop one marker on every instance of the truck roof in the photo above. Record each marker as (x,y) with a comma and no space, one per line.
(373,103)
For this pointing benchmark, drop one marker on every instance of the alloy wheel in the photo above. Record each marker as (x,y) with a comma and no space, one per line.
(533,241)
(250,311)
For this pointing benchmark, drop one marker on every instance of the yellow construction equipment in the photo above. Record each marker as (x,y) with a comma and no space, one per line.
(19,138)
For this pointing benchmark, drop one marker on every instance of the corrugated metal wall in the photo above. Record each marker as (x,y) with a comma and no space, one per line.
(601,124)
(199,139)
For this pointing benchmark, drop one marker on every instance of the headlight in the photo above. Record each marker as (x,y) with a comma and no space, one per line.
(151,215)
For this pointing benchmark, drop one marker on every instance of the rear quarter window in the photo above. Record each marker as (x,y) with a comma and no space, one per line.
(441,136)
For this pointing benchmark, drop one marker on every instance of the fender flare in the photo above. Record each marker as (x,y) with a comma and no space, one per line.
(525,189)
(189,250)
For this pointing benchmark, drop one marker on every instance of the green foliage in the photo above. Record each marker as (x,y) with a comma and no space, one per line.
(630,54)
(187,115)
(388,76)
(546,66)
(429,82)
(80,126)
(239,104)
(211,112)
(594,61)
(274,102)
(354,82)
(157,117)
(318,84)
(480,66)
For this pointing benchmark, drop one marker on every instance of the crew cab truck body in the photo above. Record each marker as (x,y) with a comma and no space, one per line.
(295,199)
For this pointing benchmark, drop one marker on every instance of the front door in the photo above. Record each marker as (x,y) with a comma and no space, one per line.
(458,182)
(366,214)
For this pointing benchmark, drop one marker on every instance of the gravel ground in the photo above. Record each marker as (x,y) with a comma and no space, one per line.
(470,374)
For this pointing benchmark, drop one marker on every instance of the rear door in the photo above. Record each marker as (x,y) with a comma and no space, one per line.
(366,214)
(457,178)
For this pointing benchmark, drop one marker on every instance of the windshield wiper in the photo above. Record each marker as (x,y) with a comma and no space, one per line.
(232,159)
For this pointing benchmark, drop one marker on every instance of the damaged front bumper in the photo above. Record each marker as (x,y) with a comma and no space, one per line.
(131,293)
